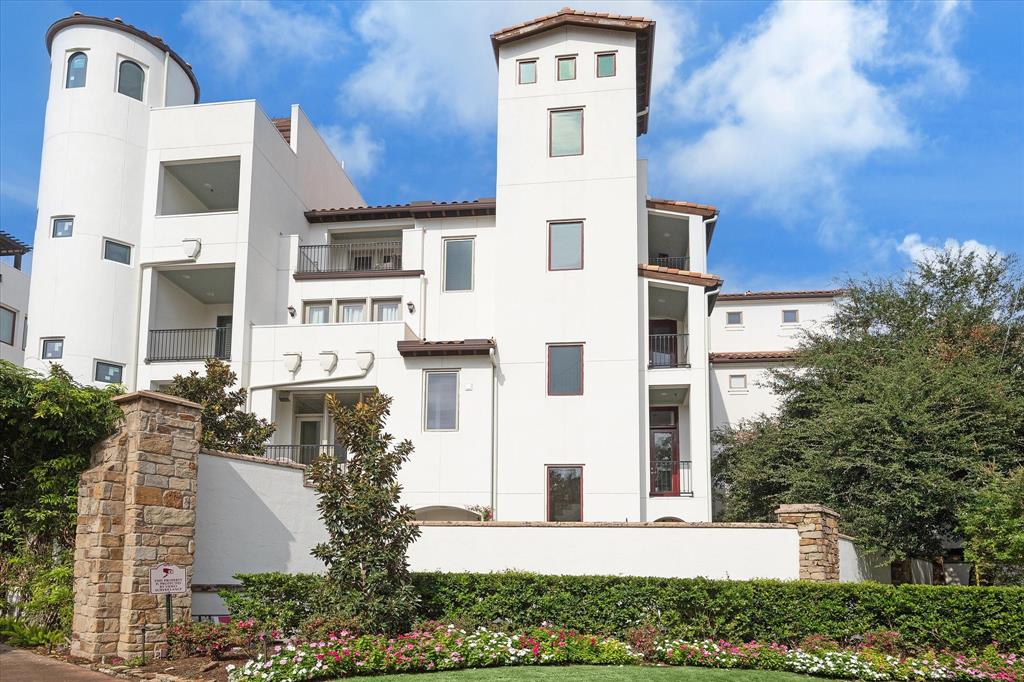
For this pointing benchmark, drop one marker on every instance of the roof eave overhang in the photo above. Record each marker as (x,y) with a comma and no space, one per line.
(351,215)
(421,349)
(699,279)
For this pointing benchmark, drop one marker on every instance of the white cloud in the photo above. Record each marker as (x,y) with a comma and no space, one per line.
(257,32)
(356,148)
(915,248)
(434,59)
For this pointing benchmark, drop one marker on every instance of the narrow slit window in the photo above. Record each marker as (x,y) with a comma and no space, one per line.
(566,132)
(527,71)
(441,404)
(131,79)
(77,66)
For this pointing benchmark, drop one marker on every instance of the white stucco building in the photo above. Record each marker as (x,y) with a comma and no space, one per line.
(558,352)
(14,285)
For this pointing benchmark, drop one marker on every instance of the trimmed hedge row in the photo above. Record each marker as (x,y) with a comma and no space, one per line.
(955,618)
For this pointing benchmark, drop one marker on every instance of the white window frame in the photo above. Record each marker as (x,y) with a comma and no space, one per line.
(121,59)
(340,305)
(458,406)
(307,306)
(738,389)
(791,310)
(95,368)
(103,251)
(53,227)
(68,54)
(472,264)
(733,325)
(379,301)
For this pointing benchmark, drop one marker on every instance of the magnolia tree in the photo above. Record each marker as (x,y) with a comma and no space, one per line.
(369,529)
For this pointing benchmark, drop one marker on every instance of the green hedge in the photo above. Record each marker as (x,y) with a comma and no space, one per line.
(956,618)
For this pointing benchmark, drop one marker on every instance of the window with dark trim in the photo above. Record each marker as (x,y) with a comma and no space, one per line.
(565,133)
(8,320)
(527,71)
(606,65)
(117,252)
(566,68)
(565,369)
(565,245)
(109,372)
(131,79)
(564,493)
(441,403)
(63,227)
(790,317)
(24,334)
(458,265)
(53,349)
(78,64)
(734,318)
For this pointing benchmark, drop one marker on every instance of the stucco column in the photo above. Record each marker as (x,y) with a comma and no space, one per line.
(818,527)
(136,509)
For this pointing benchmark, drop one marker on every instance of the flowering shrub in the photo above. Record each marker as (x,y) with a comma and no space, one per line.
(214,639)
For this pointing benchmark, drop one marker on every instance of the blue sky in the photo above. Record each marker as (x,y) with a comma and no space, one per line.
(836,138)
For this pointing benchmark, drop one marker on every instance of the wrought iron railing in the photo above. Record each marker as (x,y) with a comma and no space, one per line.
(351,257)
(170,345)
(301,454)
(676,262)
(671,477)
(669,350)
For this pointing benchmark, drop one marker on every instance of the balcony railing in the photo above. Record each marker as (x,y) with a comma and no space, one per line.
(676,262)
(301,454)
(671,478)
(176,345)
(669,350)
(351,257)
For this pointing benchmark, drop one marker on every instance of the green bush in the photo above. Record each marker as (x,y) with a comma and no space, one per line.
(20,633)
(956,618)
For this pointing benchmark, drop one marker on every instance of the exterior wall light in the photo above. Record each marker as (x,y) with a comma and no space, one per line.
(328,360)
(191,247)
(411,306)
(292,361)
(291,311)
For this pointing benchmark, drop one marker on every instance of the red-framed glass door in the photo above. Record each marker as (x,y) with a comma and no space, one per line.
(664,451)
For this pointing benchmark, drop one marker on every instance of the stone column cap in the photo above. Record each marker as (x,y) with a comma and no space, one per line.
(806,509)
(153,395)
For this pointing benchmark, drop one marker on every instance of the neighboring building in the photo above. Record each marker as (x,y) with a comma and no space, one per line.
(547,349)
(13,299)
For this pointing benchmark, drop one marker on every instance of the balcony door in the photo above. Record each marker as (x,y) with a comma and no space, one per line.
(309,429)
(223,337)
(665,451)
(664,342)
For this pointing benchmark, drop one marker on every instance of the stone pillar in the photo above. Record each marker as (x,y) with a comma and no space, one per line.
(818,527)
(136,509)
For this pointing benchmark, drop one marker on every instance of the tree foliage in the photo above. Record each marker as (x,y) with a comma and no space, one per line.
(894,411)
(369,530)
(226,426)
(993,524)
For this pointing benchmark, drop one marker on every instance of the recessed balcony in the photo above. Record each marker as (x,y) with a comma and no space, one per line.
(667,340)
(190,314)
(182,345)
(379,255)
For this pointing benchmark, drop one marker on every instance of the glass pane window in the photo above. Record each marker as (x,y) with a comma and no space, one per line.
(53,349)
(528,72)
(737,382)
(605,65)
(566,132)
(351,312)
(386,311)
(663,416)
(318,313)
(790,316)
(565,493)
(63,227)
(117,252)
(441,404)
(77,64)
(309,432)
(565,246)
(734,317)
(7,320)
(566,68)
(565,370)
(130,79)
(108,372)
(458,265)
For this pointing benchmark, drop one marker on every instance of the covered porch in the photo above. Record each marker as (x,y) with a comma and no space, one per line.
(305,429)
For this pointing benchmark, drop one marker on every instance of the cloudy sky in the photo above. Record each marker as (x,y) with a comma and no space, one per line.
(836,138)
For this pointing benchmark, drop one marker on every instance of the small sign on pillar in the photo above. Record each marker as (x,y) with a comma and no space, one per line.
(167,579)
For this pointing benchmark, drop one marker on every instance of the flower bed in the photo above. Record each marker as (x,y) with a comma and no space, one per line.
(446,647)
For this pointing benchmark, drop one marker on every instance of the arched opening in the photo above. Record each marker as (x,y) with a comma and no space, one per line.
(130,79)
(668,519)
(442,513)
(77,65)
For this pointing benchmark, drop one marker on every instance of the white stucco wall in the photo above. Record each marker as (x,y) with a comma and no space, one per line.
(762,328)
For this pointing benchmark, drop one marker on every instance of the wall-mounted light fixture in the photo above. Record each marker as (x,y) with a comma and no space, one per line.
(411,306)
(291,311)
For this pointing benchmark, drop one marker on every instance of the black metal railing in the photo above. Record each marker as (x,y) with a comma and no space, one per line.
(351,257)
(676,262)
(302,454)
(170,345)
(669,350)
(671,477)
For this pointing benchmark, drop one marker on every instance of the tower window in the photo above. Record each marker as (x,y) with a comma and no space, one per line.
(606,65)
(7,321)
(566,68)
(77,64)
(527,71)
(130,79)
(53,349)
(566,132)
(108,372)
(63,227)
(117,252)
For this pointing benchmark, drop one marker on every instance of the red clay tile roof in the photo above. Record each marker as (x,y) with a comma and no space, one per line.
(284,126)
(682,207)
(752,356)
(567,16)
(79,19)
(768,295)
(675,275)
(415,209)
(420,348)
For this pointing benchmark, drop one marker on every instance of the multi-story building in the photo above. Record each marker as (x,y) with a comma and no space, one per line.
(548,350)
(14,285)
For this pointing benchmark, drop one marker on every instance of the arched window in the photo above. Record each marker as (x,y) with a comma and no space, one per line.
(76,70)
(130,79)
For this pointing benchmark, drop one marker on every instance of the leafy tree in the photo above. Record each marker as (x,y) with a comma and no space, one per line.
(48,426)
(893,412)
(225,425)
(370,531)
(994,528)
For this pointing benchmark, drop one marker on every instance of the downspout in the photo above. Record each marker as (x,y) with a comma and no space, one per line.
(707,388)
(494,434)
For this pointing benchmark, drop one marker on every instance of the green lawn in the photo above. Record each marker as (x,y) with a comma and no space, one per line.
(586,673)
